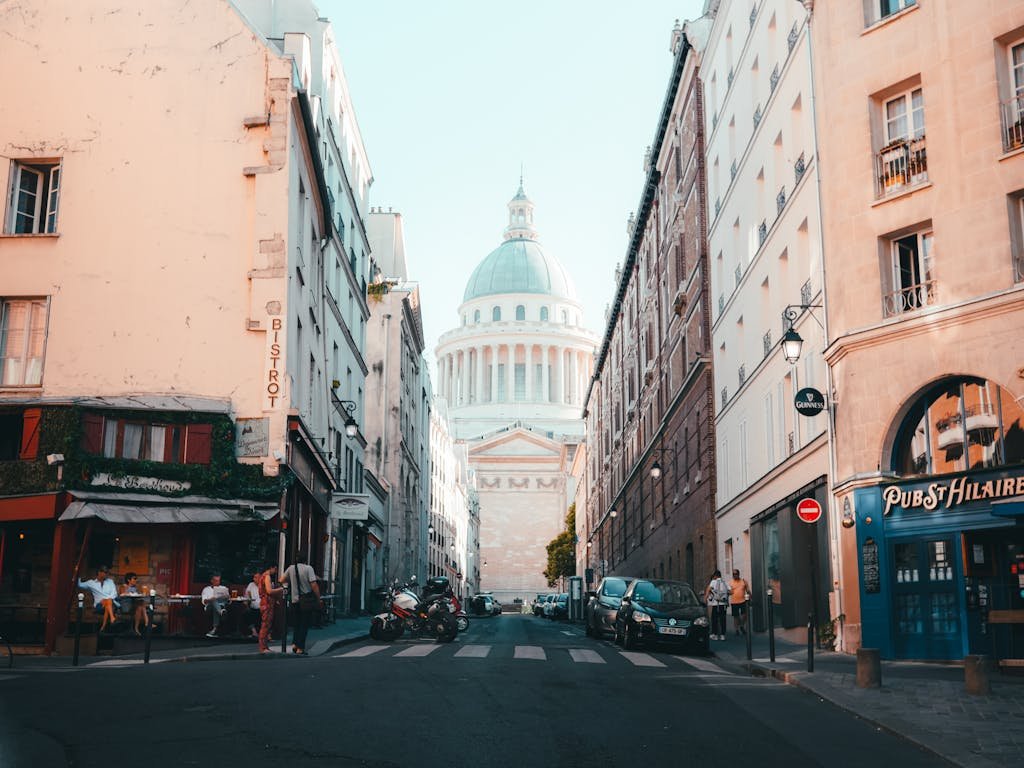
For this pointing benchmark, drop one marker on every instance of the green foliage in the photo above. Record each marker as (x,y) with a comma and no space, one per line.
(562,551)
(60,431)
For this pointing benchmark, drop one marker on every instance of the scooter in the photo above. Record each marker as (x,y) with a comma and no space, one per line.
(431,616)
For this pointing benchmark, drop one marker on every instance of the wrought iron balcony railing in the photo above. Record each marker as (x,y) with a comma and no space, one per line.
(900,164)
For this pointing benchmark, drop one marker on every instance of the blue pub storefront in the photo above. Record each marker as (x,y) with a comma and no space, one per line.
(940,554)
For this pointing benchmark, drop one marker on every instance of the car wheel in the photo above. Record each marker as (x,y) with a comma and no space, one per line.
(589,631)
(628,639)
(617,638)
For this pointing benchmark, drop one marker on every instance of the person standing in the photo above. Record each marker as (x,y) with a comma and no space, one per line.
(270,595)
(716,594)
(304,592)
(215,599)
(104,596)
(252,606)
(739,594)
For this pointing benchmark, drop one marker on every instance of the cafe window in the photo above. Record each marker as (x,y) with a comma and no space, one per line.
(957,425)
(127,438)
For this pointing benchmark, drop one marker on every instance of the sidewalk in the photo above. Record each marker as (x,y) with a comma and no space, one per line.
(320,642)
(924,703)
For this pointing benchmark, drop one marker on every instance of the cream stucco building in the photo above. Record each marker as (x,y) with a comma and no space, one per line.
(514,374)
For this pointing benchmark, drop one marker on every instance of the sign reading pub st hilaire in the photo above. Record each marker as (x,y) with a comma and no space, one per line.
(959,490)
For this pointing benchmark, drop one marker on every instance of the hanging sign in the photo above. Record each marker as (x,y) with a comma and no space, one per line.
(809,402)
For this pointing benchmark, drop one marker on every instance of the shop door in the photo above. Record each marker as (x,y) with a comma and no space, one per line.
(926,601)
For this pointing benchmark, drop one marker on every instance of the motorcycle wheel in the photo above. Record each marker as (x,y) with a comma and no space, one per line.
(380,631)
(462,622)
(446,628)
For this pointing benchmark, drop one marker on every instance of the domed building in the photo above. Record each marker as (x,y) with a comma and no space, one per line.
(515,373)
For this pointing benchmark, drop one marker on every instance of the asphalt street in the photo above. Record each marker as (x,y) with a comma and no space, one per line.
(512,691)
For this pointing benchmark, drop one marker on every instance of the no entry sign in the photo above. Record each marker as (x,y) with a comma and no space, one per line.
(808,510)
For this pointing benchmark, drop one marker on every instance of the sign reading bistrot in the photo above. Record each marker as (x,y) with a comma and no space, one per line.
(809,402)
(808,510)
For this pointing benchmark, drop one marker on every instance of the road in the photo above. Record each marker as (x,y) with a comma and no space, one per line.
(512,691)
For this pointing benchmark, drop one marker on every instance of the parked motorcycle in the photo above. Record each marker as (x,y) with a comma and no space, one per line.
(433,615)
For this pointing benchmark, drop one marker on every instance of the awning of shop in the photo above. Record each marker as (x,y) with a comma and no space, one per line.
(1013,507)
(377,543)
(39,507)
(144,508)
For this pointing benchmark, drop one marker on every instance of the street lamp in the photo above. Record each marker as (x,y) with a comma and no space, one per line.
(351,427)
(613,512)
(792,343)
(656,471)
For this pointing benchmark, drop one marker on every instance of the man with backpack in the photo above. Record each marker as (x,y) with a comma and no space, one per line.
(716,594)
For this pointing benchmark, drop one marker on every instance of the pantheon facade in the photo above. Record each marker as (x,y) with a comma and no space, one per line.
(515,372)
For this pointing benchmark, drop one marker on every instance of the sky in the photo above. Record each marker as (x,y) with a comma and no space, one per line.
(454,97)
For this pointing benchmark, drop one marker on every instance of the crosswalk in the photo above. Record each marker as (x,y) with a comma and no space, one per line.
(527,653)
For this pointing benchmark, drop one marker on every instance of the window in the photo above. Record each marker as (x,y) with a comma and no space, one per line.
(496,314)
(1015,206)
(902,159)
(543,314)
(132,438)
(520,383)
(476,316)
(33,199)
(958,425)
(520,312)
(22,341)
(1013,107)
(911,283)
(889,7)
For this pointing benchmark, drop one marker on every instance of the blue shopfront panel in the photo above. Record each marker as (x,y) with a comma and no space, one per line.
(872,564)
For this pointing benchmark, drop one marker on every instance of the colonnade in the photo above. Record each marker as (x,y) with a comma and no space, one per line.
(510,372)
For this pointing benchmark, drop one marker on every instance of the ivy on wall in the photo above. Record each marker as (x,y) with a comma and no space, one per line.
(60,431)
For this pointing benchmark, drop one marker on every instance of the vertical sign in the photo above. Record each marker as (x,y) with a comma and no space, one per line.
(273,389)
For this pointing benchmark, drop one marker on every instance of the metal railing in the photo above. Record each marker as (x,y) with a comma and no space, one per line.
(798,169)
(739,275)
(791,40)
(909,298)
(790,444)
(767,341)
(900,164)
(805,292)
(774,79)
(732,170)
(753,16)
(725,397)
(742,374)
(1012,112)
(780,201)
(762,233)
(757,116)
(721,303)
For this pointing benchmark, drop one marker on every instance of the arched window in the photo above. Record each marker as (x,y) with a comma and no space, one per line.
(959,424)
(520,312)
(543,314)
(496,314)
(476,316)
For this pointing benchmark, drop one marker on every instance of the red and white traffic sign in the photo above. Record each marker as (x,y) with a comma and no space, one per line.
(808,510)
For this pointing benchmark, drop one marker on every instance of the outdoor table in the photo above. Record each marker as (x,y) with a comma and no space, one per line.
(176,607)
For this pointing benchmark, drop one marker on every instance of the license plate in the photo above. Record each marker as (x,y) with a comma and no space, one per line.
(672,630)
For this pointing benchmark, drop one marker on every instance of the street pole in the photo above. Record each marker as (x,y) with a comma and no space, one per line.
(747,629)
(78,627)
(814,580)
(771,627)
(810,642)
(150,611)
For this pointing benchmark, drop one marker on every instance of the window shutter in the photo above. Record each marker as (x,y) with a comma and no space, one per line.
(30,433)
(92,433)
(198,443)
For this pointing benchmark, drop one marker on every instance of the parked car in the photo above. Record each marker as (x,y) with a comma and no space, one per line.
(549,602)
(482,605)
(603,604)
(662,611)
(538,605)
(560,606)
(495,607)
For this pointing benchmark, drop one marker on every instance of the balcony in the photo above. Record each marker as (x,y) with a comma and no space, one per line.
(774,79)
(805,293)
(1013,123)
(753,16)
(732,170)
(780,201)
(725,397)
(728,79)
(909,298)
(790,444)
(901,164)
(739,275)
(762,233)
(718,206)
(791,40)
(757,116)
(766,340)
(721,303)
(742,374)
(798,169)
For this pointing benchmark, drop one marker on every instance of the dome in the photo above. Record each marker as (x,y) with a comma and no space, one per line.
(519,266)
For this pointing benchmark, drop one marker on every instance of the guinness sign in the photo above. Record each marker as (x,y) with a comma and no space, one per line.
(809,402)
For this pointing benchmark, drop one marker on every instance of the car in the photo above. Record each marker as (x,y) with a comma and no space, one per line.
(495,607)
(662,611)
(483,605)
(560,606)
(602,605)
(538,604)
(549,602)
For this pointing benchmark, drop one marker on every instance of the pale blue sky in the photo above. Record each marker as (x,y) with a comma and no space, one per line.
(452,96)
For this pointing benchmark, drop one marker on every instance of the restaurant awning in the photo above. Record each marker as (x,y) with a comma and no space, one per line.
(147,508)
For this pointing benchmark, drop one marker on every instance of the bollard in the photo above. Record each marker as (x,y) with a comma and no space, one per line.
(150,610)
(869,668)
(284,629)
(771,628)
(976,675)
(78,627)
(810,642)
(747,628)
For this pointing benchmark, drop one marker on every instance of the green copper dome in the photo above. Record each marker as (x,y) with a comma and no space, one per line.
(519,265)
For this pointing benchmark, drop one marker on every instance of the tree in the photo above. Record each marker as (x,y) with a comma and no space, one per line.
(562,551)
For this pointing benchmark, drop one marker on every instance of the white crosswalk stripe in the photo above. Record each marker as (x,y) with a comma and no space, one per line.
(641,659)
(418,650)
(704,665)
(366,650)
(530,652)
(473,652)
(583,656)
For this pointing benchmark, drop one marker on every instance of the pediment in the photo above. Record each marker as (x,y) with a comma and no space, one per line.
(517,443)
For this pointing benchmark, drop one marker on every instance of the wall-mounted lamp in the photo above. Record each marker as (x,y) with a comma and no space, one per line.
(590,544)
(351,428)
(848,519)
(792,343)
(430,529)
(613,512)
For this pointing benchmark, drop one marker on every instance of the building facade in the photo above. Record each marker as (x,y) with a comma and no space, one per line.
(186,432)
(514,375)
(923,184)
(649,407)
(764,241)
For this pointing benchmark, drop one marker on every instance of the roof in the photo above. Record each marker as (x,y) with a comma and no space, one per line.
(519,265)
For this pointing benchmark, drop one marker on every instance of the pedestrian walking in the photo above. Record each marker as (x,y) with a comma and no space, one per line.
(739,594)
(270,596)
(304,592)
(716,594)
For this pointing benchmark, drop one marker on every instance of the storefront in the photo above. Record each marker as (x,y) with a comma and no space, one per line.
(940,555)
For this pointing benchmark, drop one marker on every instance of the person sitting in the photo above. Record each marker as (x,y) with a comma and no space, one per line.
(135,602)
(215,601)
(252,610)
(104,596)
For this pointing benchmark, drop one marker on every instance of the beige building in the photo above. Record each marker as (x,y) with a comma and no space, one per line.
(919,108)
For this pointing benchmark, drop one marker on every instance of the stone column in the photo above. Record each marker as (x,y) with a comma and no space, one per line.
(528,358)
(479,352)
(494,373)
(560,374)
(545,373)
(465,376)
(510,374)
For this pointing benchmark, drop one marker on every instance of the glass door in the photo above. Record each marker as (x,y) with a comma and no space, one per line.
(926,604)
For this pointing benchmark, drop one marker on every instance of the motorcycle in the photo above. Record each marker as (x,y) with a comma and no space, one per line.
(433,615)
